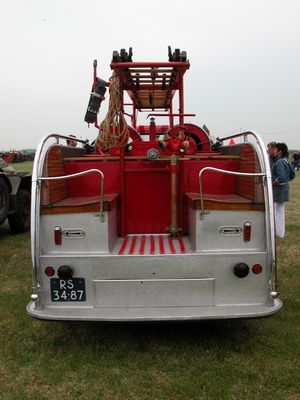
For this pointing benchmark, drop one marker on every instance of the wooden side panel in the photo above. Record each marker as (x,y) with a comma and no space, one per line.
(53,191)
(246,186)
(82,204)
(222,202)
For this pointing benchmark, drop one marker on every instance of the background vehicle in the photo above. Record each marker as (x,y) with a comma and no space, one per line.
(156,221)
(15,192)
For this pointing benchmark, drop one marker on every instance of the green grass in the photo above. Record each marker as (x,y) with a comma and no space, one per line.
(247,359)
(25,166)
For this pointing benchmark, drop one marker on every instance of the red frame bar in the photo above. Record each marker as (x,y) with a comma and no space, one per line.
(170,115)
(181,100)
(181,65)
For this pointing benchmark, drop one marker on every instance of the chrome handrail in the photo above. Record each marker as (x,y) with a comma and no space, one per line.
(88,171)
(225,171)
(270,217)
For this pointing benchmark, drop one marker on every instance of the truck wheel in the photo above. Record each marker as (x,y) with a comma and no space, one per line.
(20,220)
(4,200)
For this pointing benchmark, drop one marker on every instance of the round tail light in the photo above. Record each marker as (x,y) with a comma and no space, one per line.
(241,270)
(65,272)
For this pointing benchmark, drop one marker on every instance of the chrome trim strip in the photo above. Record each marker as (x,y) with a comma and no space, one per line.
(35,204)
(88,171)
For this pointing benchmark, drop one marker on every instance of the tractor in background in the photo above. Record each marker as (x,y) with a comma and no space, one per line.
(15,189)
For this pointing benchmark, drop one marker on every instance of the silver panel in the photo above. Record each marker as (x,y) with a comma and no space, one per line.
(228,289)
(209,231)
(82,233)
(154,293)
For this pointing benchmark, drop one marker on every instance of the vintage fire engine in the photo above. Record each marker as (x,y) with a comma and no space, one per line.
(153,221)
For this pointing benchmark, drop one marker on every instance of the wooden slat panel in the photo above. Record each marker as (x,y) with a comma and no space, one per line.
(246,185)
(53,191)
(223,202)
(81,204)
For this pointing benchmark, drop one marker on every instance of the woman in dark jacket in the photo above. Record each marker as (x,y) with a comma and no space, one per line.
(281,175)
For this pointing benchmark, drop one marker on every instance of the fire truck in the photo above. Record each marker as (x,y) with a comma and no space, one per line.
(154,220)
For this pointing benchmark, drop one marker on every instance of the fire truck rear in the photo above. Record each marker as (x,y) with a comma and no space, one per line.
(153,221)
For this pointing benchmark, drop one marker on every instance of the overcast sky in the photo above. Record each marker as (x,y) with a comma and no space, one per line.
(244,55)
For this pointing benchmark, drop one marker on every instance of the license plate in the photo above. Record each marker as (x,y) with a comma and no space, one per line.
(67,290)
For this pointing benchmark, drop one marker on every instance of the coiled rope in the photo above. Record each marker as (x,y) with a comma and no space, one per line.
(113,130)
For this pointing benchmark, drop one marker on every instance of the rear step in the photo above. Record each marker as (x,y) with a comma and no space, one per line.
(151,244)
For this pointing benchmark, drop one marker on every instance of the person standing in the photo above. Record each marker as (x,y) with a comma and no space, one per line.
(282,173)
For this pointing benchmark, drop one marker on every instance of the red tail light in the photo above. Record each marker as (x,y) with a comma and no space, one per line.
(57,236)
(247,231)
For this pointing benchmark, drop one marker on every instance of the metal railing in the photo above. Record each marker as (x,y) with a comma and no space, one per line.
(88,171)
(224,171)
(261,152)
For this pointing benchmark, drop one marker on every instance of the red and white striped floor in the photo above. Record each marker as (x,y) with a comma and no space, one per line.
(151,245)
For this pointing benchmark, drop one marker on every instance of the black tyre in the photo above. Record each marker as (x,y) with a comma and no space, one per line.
(20,220)
(4,200)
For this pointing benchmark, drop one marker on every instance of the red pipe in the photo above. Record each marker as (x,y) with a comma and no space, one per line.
(122,191)
(171,114)
(181,101)
(134,117)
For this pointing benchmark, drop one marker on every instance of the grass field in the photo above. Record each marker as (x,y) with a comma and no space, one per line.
(247,359)
(25,166)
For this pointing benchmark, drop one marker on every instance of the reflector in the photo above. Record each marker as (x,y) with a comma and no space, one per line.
(247,231)
(257,268)
(49,271)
